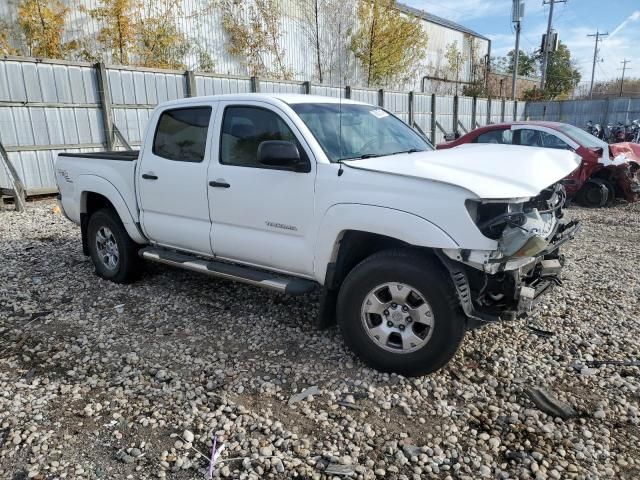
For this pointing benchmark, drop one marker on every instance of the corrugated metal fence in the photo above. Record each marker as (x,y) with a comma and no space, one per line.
(47,107)
(579,112)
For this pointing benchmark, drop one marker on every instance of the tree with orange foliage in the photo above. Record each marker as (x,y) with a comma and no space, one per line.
(42,23)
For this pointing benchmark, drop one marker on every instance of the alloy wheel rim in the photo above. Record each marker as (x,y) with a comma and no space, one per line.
(107,248)
(397,317)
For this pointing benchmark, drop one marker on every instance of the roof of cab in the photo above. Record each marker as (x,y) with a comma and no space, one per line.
(288,98)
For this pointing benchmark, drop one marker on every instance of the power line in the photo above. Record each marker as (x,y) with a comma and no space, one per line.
(595,57)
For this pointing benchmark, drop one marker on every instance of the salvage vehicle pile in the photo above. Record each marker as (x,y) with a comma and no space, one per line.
(100,380)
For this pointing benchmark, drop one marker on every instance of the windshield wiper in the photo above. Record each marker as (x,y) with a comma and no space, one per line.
(411,150)
(362,157)
(373,155)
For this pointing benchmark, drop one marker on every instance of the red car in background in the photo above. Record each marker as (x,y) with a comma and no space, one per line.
(606,172)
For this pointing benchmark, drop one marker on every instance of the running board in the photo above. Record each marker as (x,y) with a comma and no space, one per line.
(228,271)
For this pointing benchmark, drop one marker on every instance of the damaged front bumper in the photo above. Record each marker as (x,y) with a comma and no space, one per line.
(507,283)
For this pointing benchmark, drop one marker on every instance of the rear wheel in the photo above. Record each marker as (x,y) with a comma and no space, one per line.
(114,254)
(397,311)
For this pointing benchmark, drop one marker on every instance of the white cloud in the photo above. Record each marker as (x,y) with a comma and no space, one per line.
(631,18)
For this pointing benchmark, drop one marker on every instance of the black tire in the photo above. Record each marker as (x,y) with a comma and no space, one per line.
(611,192)
(592,195)
(431,281)
(127,266)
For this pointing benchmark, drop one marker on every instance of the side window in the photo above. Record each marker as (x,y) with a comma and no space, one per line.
(244,128)
(530,138)
(551,141)
(536,138)
(496,136)
(181,134)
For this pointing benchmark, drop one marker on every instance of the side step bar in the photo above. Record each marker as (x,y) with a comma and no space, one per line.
(259,278)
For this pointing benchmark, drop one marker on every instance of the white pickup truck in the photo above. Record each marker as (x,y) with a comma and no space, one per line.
(410,246)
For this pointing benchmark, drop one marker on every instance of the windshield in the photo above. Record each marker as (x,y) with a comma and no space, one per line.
(583,138)
(350,131)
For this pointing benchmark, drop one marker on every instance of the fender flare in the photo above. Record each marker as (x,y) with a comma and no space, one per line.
(95,184)
(404,226)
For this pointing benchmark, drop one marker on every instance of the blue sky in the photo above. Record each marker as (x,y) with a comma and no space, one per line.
(573,20)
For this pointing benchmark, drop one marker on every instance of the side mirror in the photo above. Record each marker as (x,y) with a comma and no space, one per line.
(279,153)
(450,137)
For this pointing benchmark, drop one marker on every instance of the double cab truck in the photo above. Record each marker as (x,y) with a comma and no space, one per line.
(410,246)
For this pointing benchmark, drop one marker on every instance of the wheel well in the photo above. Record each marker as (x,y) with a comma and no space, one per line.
(354,247)
(91,202)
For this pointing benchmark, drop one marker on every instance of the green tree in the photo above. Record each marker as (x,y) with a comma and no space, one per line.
(562,74)
(527,64)
(453,56)
(388,45)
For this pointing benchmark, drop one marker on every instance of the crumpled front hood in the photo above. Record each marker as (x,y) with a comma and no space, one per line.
(489,171)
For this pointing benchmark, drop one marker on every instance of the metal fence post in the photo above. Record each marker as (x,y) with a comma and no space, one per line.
(255,84)
(191,83)
(347,91)
(307,87)
(410,115)
(381,97)
(105,103)
(433,118)
(474,106)
(502,107)
(455,113)
(18,187)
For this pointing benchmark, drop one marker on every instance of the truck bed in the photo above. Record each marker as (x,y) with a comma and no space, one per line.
(124,156)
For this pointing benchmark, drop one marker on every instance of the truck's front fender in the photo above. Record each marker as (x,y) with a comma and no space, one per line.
(398,224)
(95,184)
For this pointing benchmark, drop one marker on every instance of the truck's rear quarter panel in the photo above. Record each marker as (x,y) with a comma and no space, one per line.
(112,172)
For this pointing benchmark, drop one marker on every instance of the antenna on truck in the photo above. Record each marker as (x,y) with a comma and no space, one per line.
(342,91)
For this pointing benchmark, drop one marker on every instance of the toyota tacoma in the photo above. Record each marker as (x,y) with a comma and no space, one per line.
(410,247)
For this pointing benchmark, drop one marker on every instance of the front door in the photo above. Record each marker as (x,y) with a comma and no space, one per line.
(260,215)
(172,179)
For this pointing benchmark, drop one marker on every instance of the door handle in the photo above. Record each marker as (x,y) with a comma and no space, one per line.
(149,176)
(219,184)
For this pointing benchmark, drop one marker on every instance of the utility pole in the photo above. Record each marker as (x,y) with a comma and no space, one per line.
(517,14)
(545,47)
(595,58)
(624,69)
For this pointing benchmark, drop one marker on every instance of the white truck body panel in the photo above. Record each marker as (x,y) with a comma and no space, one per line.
(489,174)
(292,222)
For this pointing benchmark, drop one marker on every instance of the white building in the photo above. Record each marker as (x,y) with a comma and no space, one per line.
(202,25)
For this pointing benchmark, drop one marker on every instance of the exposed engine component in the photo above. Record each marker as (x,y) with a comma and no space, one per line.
(522,229)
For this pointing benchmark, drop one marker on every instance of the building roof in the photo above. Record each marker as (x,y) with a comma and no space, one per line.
(438,20)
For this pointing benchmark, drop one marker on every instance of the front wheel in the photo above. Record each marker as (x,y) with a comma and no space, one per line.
(398,312)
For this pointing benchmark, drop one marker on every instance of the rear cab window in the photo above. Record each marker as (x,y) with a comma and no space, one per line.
(181,134)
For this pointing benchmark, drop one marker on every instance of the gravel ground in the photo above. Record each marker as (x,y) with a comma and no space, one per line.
(99,380)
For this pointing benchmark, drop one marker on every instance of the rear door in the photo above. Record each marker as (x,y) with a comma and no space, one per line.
(172,178)
(260,215)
